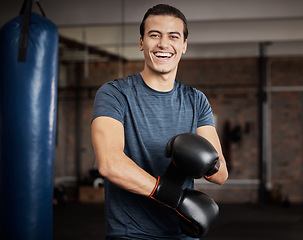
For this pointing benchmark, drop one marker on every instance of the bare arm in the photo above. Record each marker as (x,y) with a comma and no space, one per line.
(210,133)
(113,164)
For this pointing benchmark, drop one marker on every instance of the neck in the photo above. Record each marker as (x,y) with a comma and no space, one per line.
(159,82)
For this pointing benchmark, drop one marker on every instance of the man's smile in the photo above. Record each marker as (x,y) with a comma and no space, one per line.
(163,54)
(163,57)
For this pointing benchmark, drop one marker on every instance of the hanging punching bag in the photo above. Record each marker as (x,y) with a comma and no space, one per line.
(27,127)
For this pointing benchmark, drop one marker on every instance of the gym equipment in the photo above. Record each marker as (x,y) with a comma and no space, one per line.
(28,77)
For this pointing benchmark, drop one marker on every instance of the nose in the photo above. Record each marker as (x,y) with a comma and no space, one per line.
(163,42)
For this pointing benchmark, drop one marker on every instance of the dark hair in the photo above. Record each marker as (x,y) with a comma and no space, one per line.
(164,9)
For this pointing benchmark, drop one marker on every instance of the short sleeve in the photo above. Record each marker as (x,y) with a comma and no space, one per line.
(109,102)
(205,116)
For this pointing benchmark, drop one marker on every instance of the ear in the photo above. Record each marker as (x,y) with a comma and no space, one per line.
(184,46)
(141,44)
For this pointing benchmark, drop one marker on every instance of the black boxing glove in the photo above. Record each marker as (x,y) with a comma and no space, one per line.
(201,213)
(198,211)
(192,156)
(195,155)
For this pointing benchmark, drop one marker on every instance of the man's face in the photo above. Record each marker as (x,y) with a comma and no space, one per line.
(163,43)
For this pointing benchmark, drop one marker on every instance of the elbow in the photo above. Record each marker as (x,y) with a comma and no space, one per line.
(222,173)
(104,170)
(107,167)
(222,179)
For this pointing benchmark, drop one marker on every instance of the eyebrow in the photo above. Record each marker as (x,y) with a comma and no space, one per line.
(156,31)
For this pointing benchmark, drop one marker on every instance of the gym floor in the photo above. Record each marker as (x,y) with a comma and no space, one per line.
(75,221)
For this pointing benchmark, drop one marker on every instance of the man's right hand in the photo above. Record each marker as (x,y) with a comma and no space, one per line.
(191,156)
(198,211)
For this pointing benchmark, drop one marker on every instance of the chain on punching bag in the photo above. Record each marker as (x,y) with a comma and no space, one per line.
(27,127)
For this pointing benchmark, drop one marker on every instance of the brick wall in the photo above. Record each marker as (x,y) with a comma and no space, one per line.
(231,86)
(287,127)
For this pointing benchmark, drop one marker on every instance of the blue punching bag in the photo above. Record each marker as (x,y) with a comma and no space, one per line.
(27,127)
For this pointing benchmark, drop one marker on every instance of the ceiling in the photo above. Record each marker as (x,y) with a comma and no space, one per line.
(217,28)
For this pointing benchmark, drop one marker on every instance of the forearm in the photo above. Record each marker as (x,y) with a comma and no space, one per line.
(113,164)
(210,133)
(126,174)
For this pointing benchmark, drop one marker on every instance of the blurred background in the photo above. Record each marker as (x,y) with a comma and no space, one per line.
(246,56)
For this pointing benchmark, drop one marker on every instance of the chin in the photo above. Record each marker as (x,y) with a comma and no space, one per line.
(164,70)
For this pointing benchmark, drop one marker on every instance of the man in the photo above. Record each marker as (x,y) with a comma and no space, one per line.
(133,120)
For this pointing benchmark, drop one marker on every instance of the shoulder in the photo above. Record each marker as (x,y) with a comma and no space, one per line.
(119,85)
(188,90)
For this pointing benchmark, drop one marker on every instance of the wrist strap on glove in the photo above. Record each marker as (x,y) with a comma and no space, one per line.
(213,171)
(167,193)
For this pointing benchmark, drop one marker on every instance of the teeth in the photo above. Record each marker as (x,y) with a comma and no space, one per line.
(158,54)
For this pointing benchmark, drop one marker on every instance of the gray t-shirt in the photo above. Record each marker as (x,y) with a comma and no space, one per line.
(150,118)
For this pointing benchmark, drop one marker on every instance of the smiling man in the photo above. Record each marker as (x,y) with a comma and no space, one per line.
(134,119)
(163,46)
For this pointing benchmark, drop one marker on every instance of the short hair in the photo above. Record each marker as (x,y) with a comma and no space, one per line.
(164,9)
